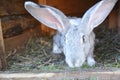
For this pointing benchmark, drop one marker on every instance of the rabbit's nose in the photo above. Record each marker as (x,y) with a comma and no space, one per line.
(75,62)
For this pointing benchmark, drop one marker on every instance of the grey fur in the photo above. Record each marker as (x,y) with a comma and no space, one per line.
(75,36)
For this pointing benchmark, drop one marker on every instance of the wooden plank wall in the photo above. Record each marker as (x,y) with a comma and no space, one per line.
(69,7)
(118,23)
(72,8)
(43,28)
(78,8)
(114,17)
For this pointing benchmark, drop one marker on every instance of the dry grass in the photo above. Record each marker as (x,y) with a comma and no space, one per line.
(107,50)
(37,55)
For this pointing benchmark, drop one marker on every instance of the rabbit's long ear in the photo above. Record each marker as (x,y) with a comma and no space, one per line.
(47,15)
(97,14)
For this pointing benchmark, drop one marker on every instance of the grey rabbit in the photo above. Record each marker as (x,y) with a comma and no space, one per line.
(75,36)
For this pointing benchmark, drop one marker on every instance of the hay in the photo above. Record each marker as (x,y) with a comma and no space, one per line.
(107,49)
(38,55)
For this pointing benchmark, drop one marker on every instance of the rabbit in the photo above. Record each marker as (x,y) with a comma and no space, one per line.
(74,37)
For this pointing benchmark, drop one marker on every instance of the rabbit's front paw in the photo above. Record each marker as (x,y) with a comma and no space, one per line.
(75,63)
(91,61)
(56,49)
(70,64)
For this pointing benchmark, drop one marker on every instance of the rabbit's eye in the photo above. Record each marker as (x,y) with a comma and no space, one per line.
(83,38)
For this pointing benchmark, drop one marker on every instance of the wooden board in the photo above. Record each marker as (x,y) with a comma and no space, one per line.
(63,75)
(3,64)
(19,42)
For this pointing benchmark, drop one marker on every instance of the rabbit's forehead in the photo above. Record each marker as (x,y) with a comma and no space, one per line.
(76,29)
(74,32)
(76,25)
(74,21)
